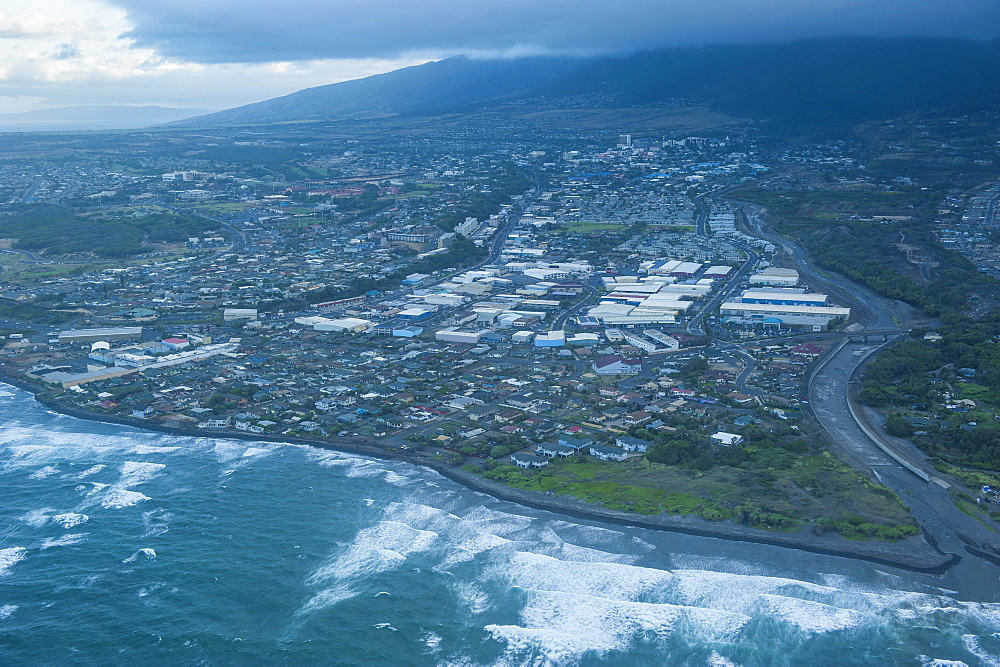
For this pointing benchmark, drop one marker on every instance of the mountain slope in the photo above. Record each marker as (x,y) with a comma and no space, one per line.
(433,86)
(826,80)
(823,81)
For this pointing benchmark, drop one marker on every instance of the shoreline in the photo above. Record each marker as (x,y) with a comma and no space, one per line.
(914,554)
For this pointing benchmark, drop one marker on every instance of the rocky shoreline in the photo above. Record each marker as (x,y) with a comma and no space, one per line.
(914,554)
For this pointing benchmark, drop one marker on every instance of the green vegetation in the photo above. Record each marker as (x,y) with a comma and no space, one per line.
(776,479)
(13,310)
(481,205)
(59,230)
(826,223)
(917,378)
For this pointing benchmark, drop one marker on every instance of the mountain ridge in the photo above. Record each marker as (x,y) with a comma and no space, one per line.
(845,80)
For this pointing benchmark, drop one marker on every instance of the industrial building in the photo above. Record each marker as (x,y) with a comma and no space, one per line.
(550,339)
(456,335)
(776,277)
(94,335)
(233,314)
(816,318)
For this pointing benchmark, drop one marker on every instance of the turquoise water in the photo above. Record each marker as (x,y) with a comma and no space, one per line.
(119,546)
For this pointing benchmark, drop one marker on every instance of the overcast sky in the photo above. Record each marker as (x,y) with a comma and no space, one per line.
(215,54)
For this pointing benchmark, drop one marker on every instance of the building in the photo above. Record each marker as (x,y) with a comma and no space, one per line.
(776,276)
(726,439)
(455,335)
(606,453)
(816,318)
(720,272)
(550,339)
(233,314)
(554,449)
(525,460)
(630,444)
(352,324)
(613,364)
(94,335)
(407,332)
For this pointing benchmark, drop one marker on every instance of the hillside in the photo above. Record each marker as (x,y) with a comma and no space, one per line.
(434,86)
(821,81)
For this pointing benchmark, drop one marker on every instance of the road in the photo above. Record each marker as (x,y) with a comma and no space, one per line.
(898,465)
(869,309)
(694,326)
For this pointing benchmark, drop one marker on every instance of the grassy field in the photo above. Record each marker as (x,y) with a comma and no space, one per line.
(816,488)
(589,227)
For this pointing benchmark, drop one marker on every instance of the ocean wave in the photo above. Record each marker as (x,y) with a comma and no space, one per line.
(116,498)
(27,452)
(561,626)
(155,522)
(138,472)
(64,541)
(382,547)
(10,557)
(811,617)
(44,472)
(92,470)
(973,646)
(6,610)
(615,581)
(144,450)
(38,518)
(70,519)
(145,553)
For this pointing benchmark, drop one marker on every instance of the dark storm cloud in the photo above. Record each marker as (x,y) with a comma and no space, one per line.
(268,30)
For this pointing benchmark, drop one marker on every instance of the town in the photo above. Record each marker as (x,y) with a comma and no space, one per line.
(507,311)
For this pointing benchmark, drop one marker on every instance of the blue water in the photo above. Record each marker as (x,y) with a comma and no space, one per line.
(119,546)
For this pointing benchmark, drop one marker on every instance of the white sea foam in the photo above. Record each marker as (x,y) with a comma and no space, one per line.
(716,659)
(473,597)
(973,646)
(617,581)
(499,523)
(23,452)
(431,640)
(38,518)
(809,616)
(144,450)
(327,598)
(116,498)
(562,626)
(65,540)
(70,519)
(255,451)
(145,553)
(228,451)
(10,557)
(92,470)
(155,522)
(937,662)
(382,547)
(42,473)
(6,610)
(137,472)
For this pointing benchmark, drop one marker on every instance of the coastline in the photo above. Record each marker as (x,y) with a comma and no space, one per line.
(915,554)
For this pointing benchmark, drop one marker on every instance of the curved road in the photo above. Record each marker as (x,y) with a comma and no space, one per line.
(830,393)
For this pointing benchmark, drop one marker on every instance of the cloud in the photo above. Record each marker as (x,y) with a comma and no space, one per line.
(262,30)
(223,53)
(86,57)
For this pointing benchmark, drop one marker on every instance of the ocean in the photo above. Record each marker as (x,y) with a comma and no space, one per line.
(120,546)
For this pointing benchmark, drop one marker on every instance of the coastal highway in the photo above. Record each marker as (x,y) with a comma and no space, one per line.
(831,401)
